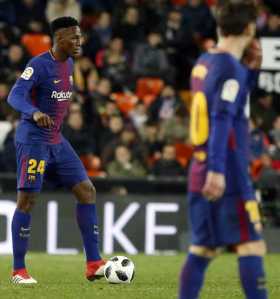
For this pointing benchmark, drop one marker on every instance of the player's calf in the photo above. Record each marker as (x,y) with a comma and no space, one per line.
(192,274)
(251,269)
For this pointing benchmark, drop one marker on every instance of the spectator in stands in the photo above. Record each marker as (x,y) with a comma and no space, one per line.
(29,10)
(274,133)
(113,63)
(77,133)
(129,138)
(274,148)
(180,45)
(151,142)
(84,70)
(99,98)
(199,17)
(130,29)
(8,154)
(174,129)
(139,115)
(263,111)
(112,131)
(258,140)
(35,40)
(60,8)
(124,165)
(150,60)
(5,109)
(167,165)
(98,36)
(166,105)
(272,28)
(13,62)
(7,12)
(154,12)
(17,58)
(268,177)
(103,28)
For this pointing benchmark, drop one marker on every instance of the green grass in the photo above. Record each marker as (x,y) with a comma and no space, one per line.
(156,278)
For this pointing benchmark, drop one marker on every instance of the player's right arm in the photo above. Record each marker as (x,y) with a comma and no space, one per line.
(222,113)
(19,96)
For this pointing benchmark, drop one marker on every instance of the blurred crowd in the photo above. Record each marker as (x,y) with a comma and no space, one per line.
(129,113)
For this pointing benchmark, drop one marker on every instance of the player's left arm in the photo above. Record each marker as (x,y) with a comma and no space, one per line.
(224,108)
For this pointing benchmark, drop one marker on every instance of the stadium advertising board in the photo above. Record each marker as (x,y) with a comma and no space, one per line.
(132,224)
(269,78)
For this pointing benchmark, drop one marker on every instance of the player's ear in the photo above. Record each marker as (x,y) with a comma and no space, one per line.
(59,37)
(250,30)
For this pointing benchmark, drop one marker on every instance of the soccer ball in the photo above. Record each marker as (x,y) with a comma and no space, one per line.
(119,269)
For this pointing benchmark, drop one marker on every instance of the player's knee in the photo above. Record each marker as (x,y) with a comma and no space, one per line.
(85,192)
(25,202)
(252,248)
(91,193)
(203,251)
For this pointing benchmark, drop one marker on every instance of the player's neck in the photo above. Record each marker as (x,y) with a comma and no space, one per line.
(234,46)
(57,54)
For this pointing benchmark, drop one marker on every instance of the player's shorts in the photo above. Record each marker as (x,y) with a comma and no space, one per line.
(221,223)
(56,163)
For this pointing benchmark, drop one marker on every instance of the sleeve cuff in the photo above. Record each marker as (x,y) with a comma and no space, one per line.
(216,167)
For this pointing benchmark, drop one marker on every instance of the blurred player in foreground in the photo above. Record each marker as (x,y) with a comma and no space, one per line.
(222,207)
(42,94)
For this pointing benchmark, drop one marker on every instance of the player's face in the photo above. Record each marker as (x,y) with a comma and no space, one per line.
(71,41)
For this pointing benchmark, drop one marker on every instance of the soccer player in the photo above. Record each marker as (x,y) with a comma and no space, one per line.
(42,94)
(223,210)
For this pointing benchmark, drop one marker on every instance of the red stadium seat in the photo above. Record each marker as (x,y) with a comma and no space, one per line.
(147,89)
(183,153)
(125,101)
(36,43)
(92,165)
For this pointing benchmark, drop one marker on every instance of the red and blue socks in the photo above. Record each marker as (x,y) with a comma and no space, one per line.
(252,276)
(20,235)
(192,276)
(87,221)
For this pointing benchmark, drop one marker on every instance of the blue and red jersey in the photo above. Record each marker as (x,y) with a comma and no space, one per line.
(45,85)
(219,122)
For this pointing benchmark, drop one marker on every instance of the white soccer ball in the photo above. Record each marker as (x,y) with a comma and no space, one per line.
(119,269)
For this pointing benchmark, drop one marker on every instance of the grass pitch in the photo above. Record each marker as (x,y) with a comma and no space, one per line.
(156,278)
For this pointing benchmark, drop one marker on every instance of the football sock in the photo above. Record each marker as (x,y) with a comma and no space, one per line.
(20,236)
(192,276)
(252,277)
(87,221)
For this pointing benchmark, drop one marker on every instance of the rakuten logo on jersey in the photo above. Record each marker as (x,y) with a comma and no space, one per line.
(61,95)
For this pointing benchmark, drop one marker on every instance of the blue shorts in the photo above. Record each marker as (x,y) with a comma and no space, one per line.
(55,163)
(221,223)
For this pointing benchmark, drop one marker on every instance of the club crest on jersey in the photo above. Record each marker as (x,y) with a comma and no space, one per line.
(61,95)
(27,73)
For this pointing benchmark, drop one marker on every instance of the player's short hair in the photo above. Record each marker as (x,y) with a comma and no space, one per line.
(233,16)
(62,22)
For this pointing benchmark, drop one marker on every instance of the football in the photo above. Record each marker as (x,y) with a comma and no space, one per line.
(119,269)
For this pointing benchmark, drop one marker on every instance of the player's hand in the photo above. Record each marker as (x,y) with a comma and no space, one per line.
(214,186)
(253,55)
(42,119)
